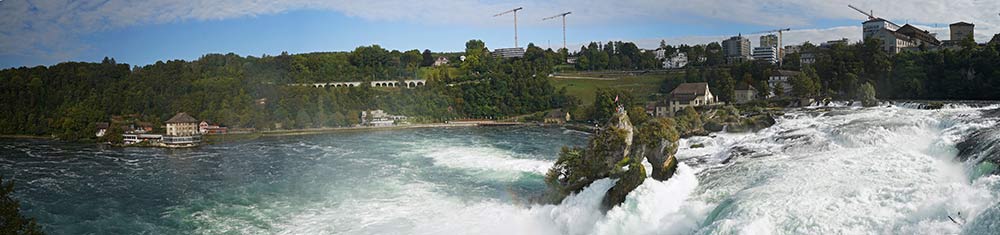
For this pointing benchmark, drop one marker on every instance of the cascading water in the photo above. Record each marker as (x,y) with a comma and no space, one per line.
(824,169)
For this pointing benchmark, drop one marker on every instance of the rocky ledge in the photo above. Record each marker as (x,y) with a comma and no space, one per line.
(617,152)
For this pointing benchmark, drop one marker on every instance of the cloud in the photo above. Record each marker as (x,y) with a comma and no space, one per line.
(52,28)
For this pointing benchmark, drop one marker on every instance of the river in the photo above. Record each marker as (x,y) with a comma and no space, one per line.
(820,170)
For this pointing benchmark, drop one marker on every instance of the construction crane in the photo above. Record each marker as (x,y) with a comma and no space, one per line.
(515,21)
(871,15)
(781,58)
(563,15)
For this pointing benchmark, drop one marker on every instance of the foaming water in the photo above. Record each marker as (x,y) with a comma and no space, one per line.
(824,169)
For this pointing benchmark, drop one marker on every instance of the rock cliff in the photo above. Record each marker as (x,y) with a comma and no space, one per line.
(617,151)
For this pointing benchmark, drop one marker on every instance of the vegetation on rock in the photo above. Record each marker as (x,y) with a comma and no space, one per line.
(11,220)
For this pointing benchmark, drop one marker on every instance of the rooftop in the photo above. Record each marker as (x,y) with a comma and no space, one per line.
(696,89)
(182,118)
(962,23)
(556,113)
(745,86)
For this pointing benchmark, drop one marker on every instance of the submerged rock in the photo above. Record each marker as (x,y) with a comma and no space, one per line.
(982,146)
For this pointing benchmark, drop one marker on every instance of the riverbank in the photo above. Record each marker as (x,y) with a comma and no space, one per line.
(25,137)
(316,131)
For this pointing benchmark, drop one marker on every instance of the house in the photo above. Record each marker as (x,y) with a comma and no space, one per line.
(745,93)
(380,118)
(660,54)
(142,127)
(679,60)
(102,128)
(182,131)
(557,116)
(206,127)
(780,79)
(441,61)
(659,109)
(807,58)
(650,109)
(516,52)
(690,95)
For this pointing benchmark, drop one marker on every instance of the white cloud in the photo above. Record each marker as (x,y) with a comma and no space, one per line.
(51,28)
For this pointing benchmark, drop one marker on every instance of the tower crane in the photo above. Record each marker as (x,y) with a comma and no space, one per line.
(871,15)
(563,15)
(781,58)
(515,21)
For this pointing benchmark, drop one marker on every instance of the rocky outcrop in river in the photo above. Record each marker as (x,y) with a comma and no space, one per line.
(617,151)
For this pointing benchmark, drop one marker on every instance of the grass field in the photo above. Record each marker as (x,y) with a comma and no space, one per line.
(642,87)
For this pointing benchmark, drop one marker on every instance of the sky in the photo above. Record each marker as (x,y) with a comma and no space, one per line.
(47,32)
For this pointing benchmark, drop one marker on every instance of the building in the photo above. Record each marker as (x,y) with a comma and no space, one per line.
(557,116)
(679,60)
(919,36)
(885,31)
(140,128)
(182,131)
(380,118)
(831,43)
(807,57)
(690,95)
(516,52)
(873,26)
(441,61)
(207,128)
(894,42)
(895,38)
(660,53)
(766,54)
(736,49)
(779,79)
(769,40)
(962,30)
(791,49)
(745,93)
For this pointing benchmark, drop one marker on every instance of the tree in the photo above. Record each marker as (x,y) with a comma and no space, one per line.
(11,220)
(866,94)
(605,105)
(428,59)
(804,86)
(727,88)
(779,90)
(302,119)
(411,58)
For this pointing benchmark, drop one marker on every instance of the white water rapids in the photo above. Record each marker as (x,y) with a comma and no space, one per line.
(885,170)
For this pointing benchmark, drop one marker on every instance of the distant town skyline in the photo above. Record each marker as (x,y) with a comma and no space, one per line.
(48,32)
